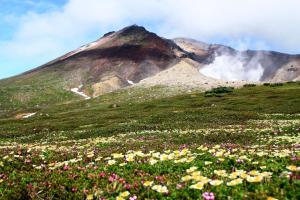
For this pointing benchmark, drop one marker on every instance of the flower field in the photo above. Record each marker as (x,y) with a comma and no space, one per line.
(257,161)
(140,144)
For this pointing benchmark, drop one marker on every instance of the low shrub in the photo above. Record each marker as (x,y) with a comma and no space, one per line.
(219,91)
(276,84)
(250,85)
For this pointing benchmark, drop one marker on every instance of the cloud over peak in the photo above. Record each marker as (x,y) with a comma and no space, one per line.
(243,24)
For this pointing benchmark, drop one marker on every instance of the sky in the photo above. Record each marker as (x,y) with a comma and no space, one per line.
(34,32)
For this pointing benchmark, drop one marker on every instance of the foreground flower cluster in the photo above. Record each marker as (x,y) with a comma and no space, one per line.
(157,165)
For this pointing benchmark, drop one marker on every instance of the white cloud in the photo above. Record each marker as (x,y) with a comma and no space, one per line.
(47,35)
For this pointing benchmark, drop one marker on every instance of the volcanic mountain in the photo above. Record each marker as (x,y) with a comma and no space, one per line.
(135,56)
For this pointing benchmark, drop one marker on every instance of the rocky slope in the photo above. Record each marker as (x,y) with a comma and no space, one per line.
(275,66)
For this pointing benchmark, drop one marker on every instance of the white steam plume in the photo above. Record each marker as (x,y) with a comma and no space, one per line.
(232,68)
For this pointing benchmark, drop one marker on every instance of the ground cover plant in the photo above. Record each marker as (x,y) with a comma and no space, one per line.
(244,145)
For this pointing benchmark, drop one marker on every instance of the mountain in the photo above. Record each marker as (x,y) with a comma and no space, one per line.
(275,66)
(135,56)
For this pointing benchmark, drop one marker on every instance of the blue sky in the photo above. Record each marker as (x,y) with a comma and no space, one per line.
(34,32)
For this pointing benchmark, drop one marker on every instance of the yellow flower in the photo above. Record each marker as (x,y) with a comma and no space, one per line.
(207,163)
(90,197)
(192,169)
(130,157)
(196,173)
(216,182)
(186,178)
(233,175)
(160,189)
(271,198)
(90,154)
(293,168)
(254,173)
(244,175)
(111,162)
(220,173)
(202,179)
(1,164)
(266,174)
(235,182)
(197,186)
(120,198)
(164,157)
(255,179)
(148,183)
(117,155)
(124,194)
(122,164)
(152,161)
(1,180)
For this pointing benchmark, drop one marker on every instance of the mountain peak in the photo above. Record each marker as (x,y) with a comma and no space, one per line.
(133,30)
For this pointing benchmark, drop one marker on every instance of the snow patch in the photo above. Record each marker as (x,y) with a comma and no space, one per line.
(76,91)
(231,68)
(130,82)
(82,48)
(29,115)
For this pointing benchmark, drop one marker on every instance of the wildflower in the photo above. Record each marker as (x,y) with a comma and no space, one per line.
(197,186)
(220,173)
(271,198)
(133,197)
(192,169)
(148,183)
(111,162)
(130,157)
(235,182)
(124,194)
(202,179)
(102,174)
(164,157)
(90,197)
(207,163)
(160,189)
(293,168)
(254,173)
(152,161)
(216,182)
(186,178)
(127,186)
(90,154)
(1,180)
(255,179)
(117,155)
(233,175)
(208,196)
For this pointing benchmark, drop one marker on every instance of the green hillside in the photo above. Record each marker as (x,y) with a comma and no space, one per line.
(147,144)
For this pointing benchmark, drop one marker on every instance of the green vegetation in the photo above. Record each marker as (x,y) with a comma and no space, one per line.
(143,144)
(219,91)
(32,92)
(250,85)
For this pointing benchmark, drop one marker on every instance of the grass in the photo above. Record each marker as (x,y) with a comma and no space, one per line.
(242,145)
(97,117)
